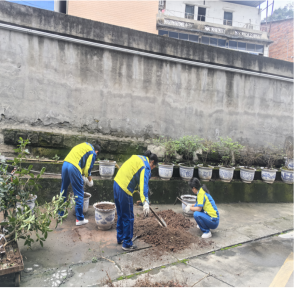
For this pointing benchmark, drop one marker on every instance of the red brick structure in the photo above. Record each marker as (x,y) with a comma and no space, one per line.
(281,33)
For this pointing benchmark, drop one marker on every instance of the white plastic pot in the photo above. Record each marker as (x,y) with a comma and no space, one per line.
(287,176)
(247,175)
(86,203)
(204,173)
(268,175)
(165,171)
(106,169)
(104,218)
(189,199)
(186,173)
(226,174)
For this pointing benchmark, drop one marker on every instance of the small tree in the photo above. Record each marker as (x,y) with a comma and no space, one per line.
(272,155)
(170,148)
(208,147)
(15,193)
(229,149)
(188,145)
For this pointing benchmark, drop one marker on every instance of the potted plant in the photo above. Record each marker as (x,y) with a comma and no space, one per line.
(268,173)
(205,170)
(287,172)
(187,146)
(247,172)
(170,146)
(22,222)
(229,150)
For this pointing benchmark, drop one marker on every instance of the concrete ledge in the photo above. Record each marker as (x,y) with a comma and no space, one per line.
(165,192)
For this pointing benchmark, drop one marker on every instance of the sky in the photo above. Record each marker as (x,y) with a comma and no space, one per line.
(49,5)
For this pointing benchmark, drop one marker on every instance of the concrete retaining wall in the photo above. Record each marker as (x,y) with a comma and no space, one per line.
(53,84)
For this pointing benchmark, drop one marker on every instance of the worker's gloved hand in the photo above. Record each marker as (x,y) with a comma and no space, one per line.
(187,208)
(90,183)
(146,209)
(85,179)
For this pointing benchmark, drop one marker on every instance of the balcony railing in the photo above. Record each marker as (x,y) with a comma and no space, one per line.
(214,20)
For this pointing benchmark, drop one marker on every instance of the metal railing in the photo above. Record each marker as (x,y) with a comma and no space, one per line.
(213,20)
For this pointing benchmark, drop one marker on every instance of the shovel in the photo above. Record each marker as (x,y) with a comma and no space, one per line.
(181,201)
(159,218)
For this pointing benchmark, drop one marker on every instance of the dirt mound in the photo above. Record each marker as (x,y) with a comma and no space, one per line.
(172,238)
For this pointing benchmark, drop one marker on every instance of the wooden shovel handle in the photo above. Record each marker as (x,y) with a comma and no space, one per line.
(157,217)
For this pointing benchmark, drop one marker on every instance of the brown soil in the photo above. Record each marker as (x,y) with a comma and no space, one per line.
(11,258)
(172,238)
(105,206)
(86,195)
(147,282)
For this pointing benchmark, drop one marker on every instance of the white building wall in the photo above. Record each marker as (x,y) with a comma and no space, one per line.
(215,12)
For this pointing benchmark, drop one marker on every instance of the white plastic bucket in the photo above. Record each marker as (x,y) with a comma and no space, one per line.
(189,199)
(86,203)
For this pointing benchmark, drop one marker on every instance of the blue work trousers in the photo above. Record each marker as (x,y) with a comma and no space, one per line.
(71,175)
(125,216)
(205,222)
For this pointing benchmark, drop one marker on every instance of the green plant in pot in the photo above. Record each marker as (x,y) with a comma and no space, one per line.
(247,158)
(205,170)
(23,217)
(188,145)
(271,155)
(229,149)
(170,148)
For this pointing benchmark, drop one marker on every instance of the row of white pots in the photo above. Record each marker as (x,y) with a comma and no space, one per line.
(225,174)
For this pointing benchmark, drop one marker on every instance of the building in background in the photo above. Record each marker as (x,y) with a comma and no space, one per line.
(228,24)
(135,14)
(48,5)
(281,32)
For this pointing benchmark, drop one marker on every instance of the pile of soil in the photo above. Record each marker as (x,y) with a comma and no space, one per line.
(148,283)
(172,238)
(105,206)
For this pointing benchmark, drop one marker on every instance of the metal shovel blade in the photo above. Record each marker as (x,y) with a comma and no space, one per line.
(159,218)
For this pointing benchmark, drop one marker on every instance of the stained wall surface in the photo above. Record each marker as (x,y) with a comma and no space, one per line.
(49,83)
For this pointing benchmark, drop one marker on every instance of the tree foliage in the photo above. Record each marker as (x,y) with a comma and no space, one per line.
(281,13)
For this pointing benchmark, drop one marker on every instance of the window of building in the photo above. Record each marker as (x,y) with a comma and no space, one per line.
(173,34)
(193,38)
(233,44)
(241,46)
(205,40)
(201,14)
(228,18)
(250,47)
(189,12)
(162,32)
(221,43)
(259,48)
(183,36)
(213,41)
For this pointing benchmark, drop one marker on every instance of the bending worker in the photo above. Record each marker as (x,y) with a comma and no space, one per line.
(136,171)
(80,160)
(206,213)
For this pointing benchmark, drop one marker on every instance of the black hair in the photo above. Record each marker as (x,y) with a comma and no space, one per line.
(195,183)
(97,148)
(151,156)
(147,153)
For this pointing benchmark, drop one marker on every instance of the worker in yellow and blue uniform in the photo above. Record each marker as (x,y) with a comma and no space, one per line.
(78,162)
(134,173)
(206,213)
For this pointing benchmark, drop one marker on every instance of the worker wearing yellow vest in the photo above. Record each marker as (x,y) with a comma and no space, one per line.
(205,213)
(134,173)
(78,162)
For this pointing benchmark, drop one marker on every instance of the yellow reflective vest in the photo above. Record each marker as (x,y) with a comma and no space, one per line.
(83,157)
(134,172)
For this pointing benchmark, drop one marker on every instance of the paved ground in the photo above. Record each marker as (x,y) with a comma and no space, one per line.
(67,256)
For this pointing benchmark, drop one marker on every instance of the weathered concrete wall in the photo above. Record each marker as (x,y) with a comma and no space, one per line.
(56,84)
